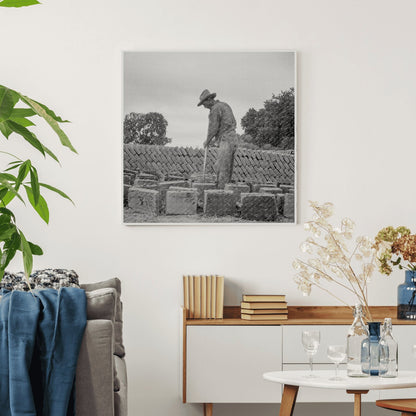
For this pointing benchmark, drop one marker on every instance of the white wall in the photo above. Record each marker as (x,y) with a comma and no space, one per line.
(357,146)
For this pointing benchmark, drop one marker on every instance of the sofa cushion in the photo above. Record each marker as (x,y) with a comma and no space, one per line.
(118,320)
(101,304)
(95,370)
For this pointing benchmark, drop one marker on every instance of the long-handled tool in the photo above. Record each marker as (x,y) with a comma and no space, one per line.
(205,164)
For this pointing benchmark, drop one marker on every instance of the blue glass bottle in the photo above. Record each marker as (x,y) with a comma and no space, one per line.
(406,302)
(370,353)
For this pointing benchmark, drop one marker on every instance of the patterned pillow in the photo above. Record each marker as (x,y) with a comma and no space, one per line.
(40,279)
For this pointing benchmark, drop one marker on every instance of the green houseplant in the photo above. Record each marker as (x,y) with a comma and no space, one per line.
(19,179)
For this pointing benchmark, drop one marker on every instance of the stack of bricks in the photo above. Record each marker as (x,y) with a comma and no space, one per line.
(178,195)
(250,165)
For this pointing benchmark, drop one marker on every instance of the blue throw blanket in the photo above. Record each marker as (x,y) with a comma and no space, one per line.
(40,338)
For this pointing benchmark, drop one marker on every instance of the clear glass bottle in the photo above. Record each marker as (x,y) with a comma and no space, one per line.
(388,351)
(358,332)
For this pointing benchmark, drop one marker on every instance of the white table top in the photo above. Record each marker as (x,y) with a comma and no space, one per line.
(405,379)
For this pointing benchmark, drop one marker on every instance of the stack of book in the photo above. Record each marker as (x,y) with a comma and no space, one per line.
(203,297)
(264,307)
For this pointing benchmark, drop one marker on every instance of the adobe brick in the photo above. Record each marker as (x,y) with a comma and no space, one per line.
(271,190)
(219,203)
(145,183)
(258,207)
(181,202)
(144,201)
(257,186)
(289,206)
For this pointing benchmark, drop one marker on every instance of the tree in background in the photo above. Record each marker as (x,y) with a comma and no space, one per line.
(147,128)
(274,125)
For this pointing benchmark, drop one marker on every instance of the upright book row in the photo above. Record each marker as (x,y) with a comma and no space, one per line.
(203,296)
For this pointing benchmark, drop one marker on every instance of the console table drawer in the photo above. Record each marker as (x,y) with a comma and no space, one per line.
(225,364)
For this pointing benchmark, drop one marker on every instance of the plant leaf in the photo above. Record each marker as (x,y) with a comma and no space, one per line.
(5,219)
(27,135)
(10,195)
(10,248)
(7,177)
(3,192)
(6,231)
(51,113)
(22,121)
(6,258)
(34,183)
(6,131)
(36,250)
(41,207)
(58,191)
(51,118)
(14,241)
(23,171)
(27,255)
(18,3)
(51,154)
(22,112)
(7,212)
(7,102)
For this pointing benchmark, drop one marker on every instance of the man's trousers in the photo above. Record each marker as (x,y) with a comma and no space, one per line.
(225,161)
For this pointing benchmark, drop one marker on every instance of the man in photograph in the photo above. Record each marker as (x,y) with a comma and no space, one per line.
(221,133)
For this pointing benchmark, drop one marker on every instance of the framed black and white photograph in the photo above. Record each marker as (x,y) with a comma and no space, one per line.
(209,137)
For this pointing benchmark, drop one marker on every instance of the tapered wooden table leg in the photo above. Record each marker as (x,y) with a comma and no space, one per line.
(208,409)
(288,400)
(357,400)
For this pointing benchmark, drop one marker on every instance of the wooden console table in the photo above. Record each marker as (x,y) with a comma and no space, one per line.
(224,359)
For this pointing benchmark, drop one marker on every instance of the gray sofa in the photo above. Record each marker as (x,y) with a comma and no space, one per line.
(101,379)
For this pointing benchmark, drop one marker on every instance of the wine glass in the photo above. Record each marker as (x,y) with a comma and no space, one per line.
(337,354)
(310,342)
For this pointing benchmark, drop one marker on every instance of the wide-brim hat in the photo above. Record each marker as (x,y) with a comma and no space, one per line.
(205,95)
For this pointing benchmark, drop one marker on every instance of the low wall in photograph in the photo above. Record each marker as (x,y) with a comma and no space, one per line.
(254,166)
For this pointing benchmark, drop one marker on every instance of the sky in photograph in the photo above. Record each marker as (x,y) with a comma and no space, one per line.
(171,82)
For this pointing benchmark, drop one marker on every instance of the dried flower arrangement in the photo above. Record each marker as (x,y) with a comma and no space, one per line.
(335,258)
(394,245)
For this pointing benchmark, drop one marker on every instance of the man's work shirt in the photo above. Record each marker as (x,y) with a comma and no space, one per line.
(221,121)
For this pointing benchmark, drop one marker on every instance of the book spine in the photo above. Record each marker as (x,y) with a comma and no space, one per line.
(197,295)
(203,297)
(191,296)
(220,297)
(214,297)
(209,301)
(186,294)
